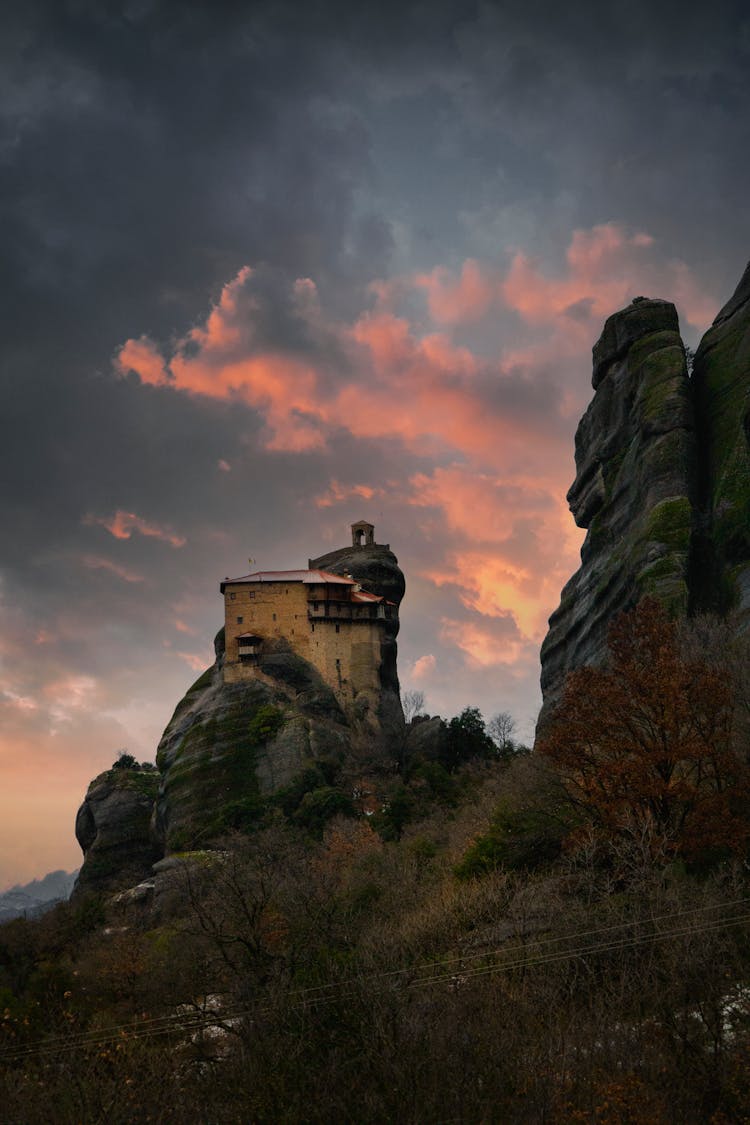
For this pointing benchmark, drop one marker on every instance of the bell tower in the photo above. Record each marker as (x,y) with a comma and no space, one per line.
(363,534)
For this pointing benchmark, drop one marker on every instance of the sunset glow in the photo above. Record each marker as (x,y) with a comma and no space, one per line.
(275,275)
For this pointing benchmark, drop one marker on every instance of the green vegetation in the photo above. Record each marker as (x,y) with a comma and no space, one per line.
(476,968)
(664,382)
(219,757)
(670,523)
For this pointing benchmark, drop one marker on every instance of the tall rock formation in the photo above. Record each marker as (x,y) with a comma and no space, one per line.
(662,480)
(721,387)
(233,750)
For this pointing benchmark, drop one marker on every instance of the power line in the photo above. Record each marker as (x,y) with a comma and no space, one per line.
(183,1023)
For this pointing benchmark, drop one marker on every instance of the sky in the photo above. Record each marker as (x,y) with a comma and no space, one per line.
(271,268)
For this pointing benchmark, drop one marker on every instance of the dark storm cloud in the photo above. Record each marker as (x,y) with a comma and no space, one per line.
(640,110)
(150,150)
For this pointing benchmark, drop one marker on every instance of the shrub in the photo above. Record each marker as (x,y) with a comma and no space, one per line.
(125,762)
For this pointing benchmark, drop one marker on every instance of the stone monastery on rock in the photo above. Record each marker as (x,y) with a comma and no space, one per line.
(325,618)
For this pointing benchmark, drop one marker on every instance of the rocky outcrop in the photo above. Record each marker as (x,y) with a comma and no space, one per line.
(634,489)
(113,830)
(662,480)
(233,752)
(228,747)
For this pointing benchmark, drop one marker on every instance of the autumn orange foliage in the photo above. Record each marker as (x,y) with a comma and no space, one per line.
(645,744)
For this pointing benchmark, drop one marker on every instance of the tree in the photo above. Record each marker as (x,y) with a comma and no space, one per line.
(644,745)
(412,703)
(467,738)
(501,729)
(125,761)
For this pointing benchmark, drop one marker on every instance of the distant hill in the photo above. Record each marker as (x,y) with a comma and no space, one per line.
(35,898)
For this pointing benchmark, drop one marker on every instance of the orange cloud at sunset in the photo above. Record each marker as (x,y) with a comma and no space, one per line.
(338,492)
(396,379)
(481,644)
(491,415)
(605,270)
(141,356)
(95,562)
(123,524)
(195,660)
(519,543)
(464,300)
(423,667)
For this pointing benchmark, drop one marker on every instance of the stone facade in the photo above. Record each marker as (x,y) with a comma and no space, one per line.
(324,618)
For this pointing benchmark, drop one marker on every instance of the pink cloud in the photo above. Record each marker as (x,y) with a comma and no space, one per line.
(598,272)
(496,425)
(483,506)
(398,384)
(338,493)
(399,381)
(464,300)
(481,644)
(123,524)
(197,661)
(512,543)
(423,667)
(606,268)
(142,356)
(95,562)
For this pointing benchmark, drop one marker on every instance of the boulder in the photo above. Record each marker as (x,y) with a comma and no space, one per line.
(113,829)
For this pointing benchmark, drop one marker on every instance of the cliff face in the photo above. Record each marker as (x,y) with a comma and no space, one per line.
(662,480)
(721,384)
(228,747)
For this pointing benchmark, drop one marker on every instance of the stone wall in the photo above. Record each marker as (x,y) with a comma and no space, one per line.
(271,609)
(347,653)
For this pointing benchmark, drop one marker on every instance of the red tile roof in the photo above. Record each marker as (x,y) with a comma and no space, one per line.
(363,596)
(308,577)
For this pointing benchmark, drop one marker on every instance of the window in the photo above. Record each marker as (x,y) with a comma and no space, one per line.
(232,597)
(338,627)
(250,595)
(274,616)
(240,620)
